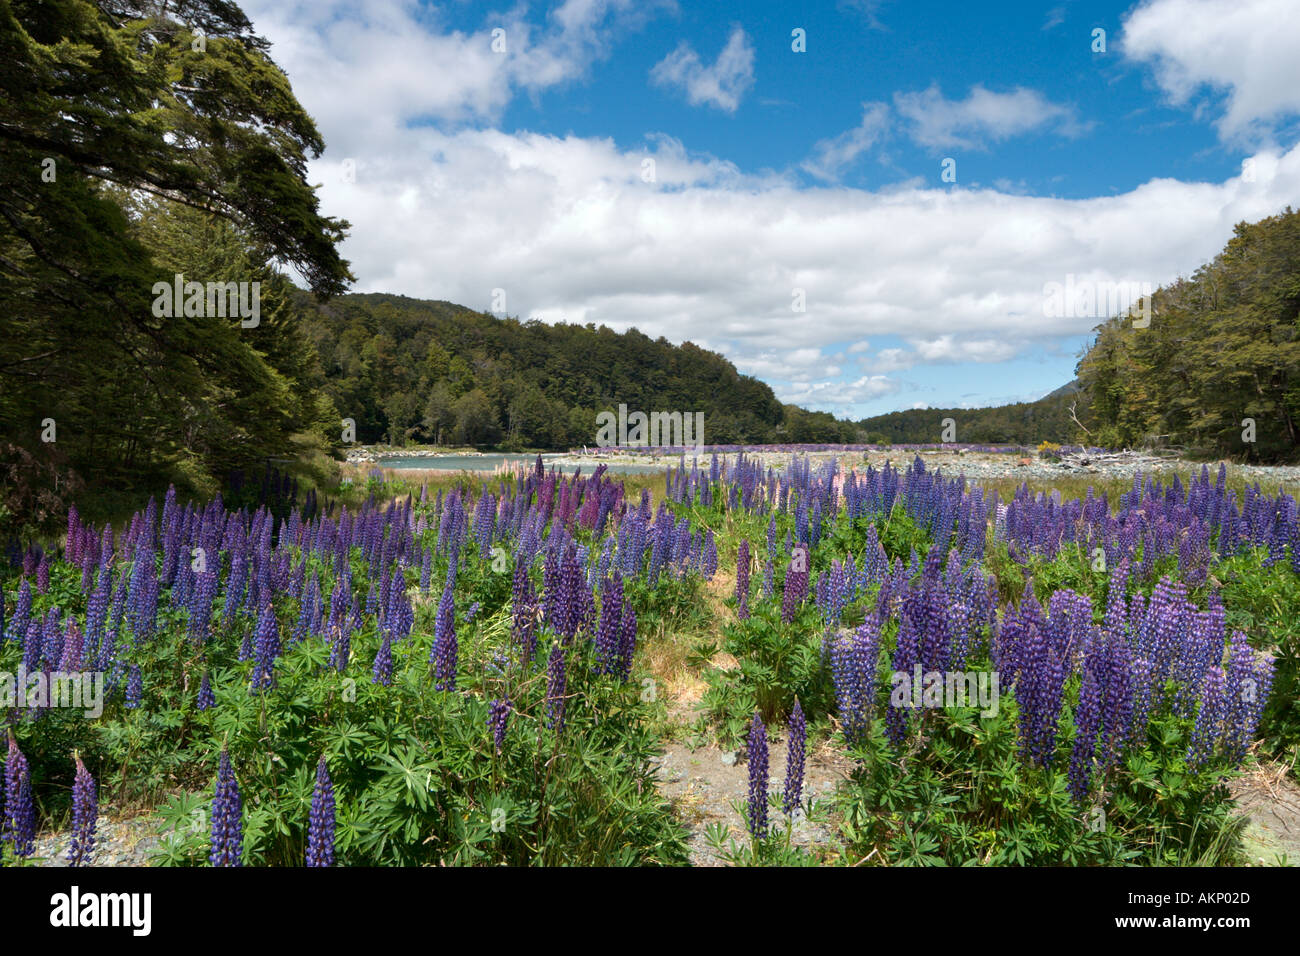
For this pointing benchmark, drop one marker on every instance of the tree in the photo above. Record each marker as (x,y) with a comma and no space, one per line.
(100,101)
(476,420)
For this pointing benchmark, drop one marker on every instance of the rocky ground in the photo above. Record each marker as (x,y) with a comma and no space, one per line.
(986,465)
(705,784)
(1271,800)
(127,841)
(973,464)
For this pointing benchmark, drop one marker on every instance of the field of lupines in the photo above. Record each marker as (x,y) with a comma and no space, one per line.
(459,677)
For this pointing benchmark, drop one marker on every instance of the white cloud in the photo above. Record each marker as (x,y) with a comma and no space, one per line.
(385,63)
(721,85)
(838,397)
(947,348)
(791,365)
(707,253)
(569,230)
(892,360)
(830,156)
(1244,47)
(984,116)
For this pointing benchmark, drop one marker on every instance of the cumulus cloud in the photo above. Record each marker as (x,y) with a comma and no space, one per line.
(983,117)
(830,156)
(570,230)
(837,397)
(1244,48)
(721,85)
(389,62)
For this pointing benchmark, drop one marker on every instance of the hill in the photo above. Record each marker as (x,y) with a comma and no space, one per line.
(413,370)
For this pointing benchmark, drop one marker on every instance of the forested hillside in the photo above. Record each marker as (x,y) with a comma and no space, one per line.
(411,370)
(1218,368)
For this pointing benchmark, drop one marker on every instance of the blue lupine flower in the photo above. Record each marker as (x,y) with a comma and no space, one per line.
(85,816)
(757,750)
(227,818)
(794,759)
(321,822)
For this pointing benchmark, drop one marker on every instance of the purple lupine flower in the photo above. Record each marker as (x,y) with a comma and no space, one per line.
(1246,687)
(227,817)
(794,759)
(710,559)
(742,580)
(73,649)
(796,584)
(498,716)
(134,687)
(43,573)
(556,687)
(207,698)
(628,645)
(266,648)
(19,824)
(1208,730)
(445,648)
(523,610)
(1087,721)
(609,633)
(321,821)
(1142,677)
(382,671)
(853,668)
(16,630)
(757,749)
(85,816)
(1039,684)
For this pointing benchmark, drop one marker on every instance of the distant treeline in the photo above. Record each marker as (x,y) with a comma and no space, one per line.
(1024,423)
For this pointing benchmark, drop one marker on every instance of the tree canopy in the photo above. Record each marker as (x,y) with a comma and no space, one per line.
(138,140)
(1217,370)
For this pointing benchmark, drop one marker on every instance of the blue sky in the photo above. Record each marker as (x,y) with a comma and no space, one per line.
(510,169)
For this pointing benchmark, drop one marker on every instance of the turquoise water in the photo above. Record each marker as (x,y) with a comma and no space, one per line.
(490,462)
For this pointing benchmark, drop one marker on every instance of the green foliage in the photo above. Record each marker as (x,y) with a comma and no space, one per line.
(137,399)
(1262,601)
(417,777)
(413,370)
(1221,347)
(777,848)
(777,663)
(964,797)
